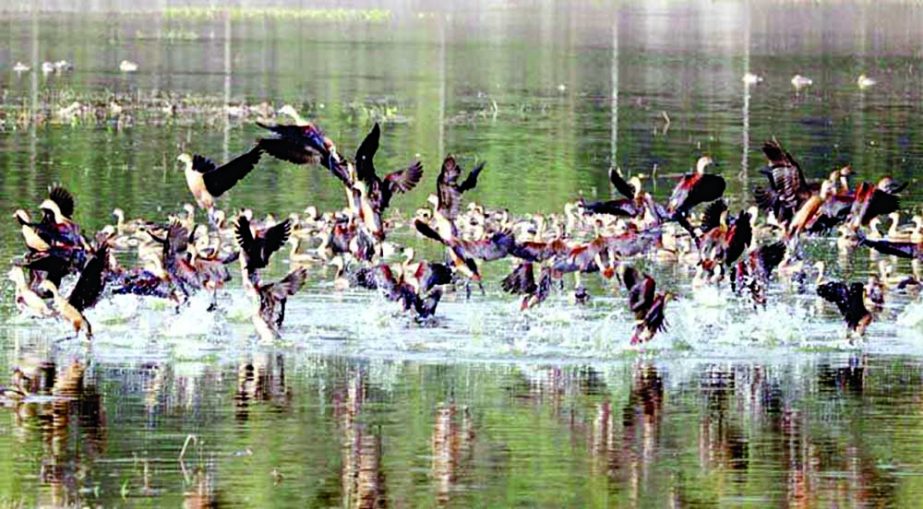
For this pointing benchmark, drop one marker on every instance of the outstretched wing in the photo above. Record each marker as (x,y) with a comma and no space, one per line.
(290,284)
(64,199)
(472,180)
(837,293)
(91,282)
(520,281)
(244,234)
(405,180)
(627,190)
(219,180)
(711,217)
(276,237)
(365,167)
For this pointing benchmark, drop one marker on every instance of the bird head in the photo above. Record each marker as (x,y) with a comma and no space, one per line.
(288,110)
(186,160)
(703,163)
(21,215)
(51,206)
(118,214)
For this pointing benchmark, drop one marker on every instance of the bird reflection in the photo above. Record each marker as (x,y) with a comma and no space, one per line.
(452,441)
(72,427)
(261,379)
(362,477)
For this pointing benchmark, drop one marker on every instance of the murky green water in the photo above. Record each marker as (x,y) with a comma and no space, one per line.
(358,407)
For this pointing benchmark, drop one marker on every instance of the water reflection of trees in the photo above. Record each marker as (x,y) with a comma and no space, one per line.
(362,477)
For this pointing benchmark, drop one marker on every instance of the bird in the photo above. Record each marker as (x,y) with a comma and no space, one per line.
(374,193)
(693,189)
(257,246)
(207,181)
(521,281)
(304,143)
(872,201)
(128,66)
(751,78)
(634,203)
(395,288)
(449,192)
(647,306)
(271,299)
(27,301)
(84,295)
(799,81)
(865,82)
(850,301)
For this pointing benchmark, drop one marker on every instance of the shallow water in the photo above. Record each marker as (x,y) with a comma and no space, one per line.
(487,406)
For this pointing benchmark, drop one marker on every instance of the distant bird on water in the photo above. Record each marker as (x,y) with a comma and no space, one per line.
(799,81)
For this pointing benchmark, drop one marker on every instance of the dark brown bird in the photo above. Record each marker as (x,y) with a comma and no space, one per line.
(850,301)
(647,305)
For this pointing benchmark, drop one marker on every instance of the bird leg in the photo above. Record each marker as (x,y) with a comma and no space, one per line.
(214,301)
(281,312)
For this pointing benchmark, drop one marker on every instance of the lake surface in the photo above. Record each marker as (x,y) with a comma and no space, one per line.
(358,406)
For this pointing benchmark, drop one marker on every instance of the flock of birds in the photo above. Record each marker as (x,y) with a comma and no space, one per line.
(179,258)
(64,66)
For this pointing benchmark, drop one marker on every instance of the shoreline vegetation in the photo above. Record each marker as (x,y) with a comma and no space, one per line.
(371,15)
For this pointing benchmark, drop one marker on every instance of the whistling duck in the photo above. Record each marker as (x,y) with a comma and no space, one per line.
(632,205)
(207,180)
(128,66)
(693,189)
(258,245)
(27,301)
(462,252)
(304,143)
(424,275)
(754,271)
(376,193)
(808,213)
(85,293)
(865,82)
(397,289)
(799,81)
(788,189)
(647,306)
(721,242)
(34,241)
(449,192)
(850,301)
(751,78)
(521,281)
(897,233)
(272,298)
(57,222)
(872,201)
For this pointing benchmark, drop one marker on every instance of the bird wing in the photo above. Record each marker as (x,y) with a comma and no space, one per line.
(641,295)
(520,281)
(621,185)
(711,217)
(771,255)
(405,180)
(64,200)
(290,284)
(275,237)
(493,248)
(622,207)
(708,188)
(629,277)
(655,319)
(738,238)
(365,154)
(219,180)
(290,150)
(472,180)
(244,234)
(91,282)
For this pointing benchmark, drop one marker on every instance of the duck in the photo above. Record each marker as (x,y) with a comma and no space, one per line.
(872,201)
(303,143)
(754,271)
(645,304)
(896,233)
(376,193)
(694,189)
(258,245)
(20,68)
(27,301)
(84,295)
(633,204)
(799,81)
(865,82)
(521,281)
(750,78)
(128,66)
(47,67)
(207,181)
(395,288)
(449,192)
(850,301)
(271,299)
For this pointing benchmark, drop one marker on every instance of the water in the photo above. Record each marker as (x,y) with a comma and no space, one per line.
(358,406)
